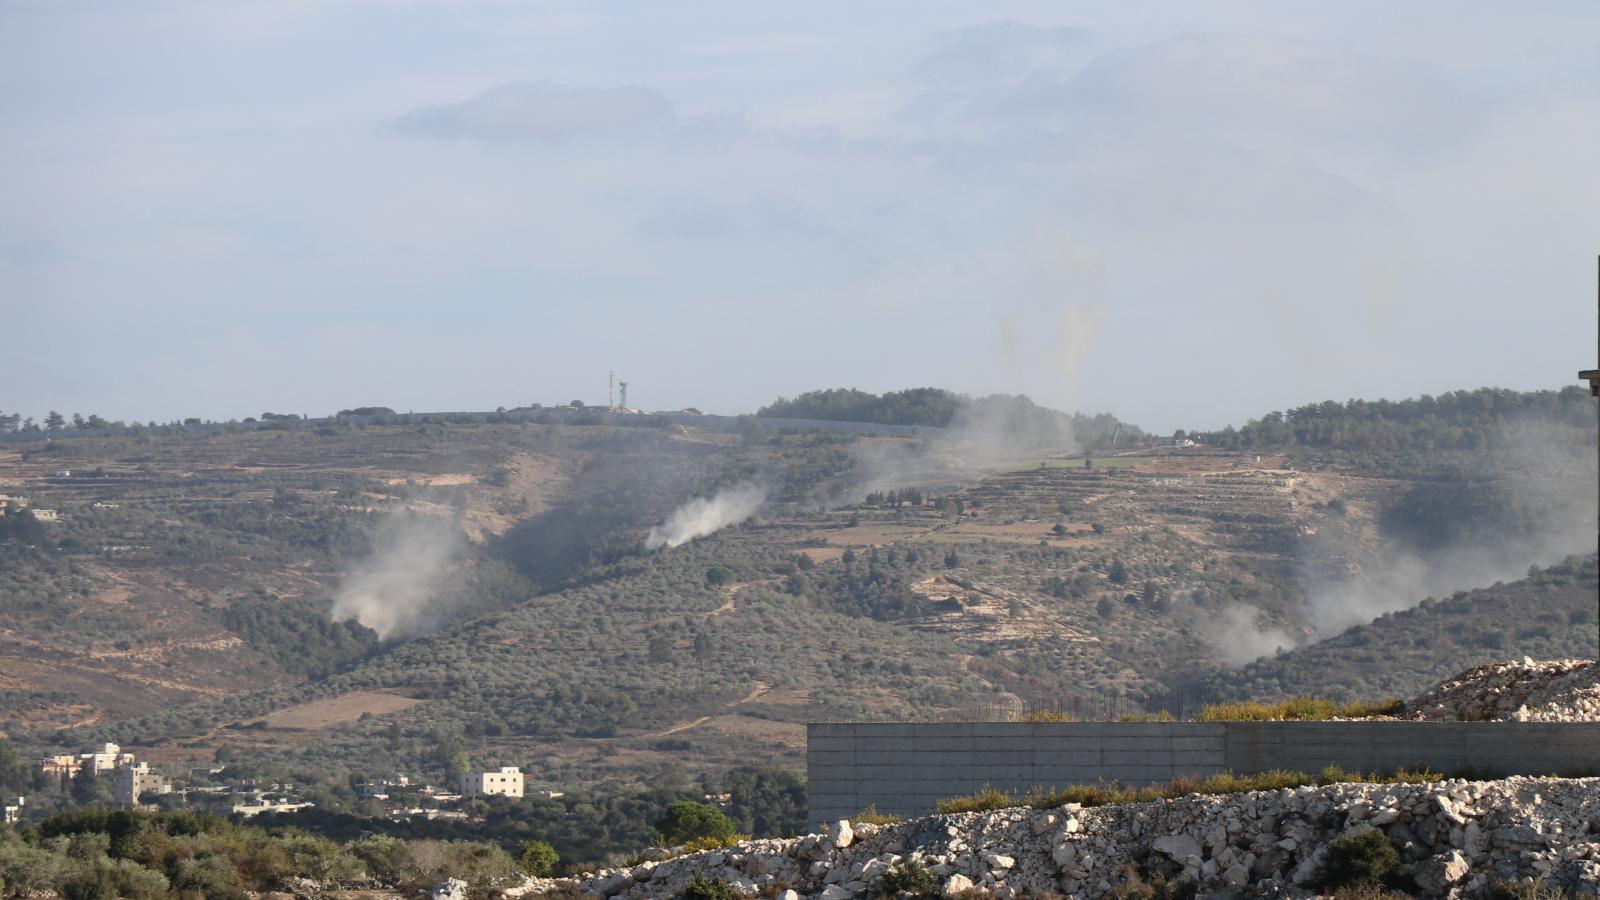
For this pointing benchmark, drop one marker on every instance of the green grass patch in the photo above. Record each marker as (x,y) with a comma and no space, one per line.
(1115,793)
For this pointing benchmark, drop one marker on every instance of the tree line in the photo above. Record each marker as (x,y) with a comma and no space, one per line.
(1458,420)
(939,408)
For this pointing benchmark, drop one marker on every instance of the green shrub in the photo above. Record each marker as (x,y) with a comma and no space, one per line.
(1136,885)
(713,842)
(703,888)
(538,859)
(910,877)
(686,820)
(1360,860)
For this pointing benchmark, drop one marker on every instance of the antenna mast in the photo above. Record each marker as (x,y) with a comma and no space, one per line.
(611,390)
(622,394)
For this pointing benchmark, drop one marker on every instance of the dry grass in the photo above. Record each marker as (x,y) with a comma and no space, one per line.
(871,816)
(1046,715)
(1297,709)
(335,711)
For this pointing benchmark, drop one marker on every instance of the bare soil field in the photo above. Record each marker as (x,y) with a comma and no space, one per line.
(320,715)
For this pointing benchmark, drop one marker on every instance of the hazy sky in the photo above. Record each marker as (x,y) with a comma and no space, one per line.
(1187,214)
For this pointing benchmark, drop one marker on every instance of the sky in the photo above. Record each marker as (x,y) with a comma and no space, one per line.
(1184,214)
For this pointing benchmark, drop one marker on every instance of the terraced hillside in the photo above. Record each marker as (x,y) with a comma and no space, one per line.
(181,602)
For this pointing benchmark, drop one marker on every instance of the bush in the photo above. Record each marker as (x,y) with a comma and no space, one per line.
(538,859)
(1154,886)
(910,877)
(1360,860)
(871,816)
(703,888)
(686,820)
(713,842)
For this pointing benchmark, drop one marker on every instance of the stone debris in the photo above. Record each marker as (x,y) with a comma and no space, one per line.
(1455,838)
(1555,690)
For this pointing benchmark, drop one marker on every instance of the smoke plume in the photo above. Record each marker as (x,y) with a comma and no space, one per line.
(1239,637)
(1550,474)
(395,591)
(705,515)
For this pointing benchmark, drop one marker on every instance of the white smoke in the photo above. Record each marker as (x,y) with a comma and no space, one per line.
(1555,469)
(705,515)
(395,591)
(1239,637)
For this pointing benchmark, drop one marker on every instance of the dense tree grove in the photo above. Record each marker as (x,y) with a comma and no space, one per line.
(997,414)
(299,636)
(914,406)
(1459,420)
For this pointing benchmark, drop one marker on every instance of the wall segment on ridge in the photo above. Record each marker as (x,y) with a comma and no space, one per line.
(906,769)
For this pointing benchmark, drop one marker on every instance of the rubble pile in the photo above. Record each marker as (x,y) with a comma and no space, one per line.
(1453,838)
(1557,690)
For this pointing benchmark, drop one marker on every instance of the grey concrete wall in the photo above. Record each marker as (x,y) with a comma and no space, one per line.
(907,768)
(1506,748)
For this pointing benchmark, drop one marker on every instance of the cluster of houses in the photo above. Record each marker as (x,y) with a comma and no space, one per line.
(9,503)
(131,779)
(135,782)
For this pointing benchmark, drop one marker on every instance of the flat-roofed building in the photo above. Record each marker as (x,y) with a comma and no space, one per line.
(506,782)
(134,782)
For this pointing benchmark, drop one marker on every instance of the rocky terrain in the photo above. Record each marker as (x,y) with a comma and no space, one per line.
(1452,838)
(1556,690)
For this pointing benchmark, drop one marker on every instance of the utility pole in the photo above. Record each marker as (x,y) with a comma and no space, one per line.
(1593,377)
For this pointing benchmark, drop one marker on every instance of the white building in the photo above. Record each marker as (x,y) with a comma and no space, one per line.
(247,810)
(506,782)
(13,810)
(107,758)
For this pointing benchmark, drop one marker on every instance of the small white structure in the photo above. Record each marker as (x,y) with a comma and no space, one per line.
(506,782)
(379,790)
(247,810)
(13,810)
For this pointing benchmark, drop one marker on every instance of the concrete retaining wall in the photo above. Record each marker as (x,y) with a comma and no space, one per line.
(907,768)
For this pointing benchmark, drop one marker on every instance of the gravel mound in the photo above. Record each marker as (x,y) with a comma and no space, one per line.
(1555,690)
(1452,838)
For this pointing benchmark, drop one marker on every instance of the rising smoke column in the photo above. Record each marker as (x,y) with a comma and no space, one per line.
(704,515)
(395,590)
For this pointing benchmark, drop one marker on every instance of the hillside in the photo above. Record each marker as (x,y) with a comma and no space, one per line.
(510,606)
(1548,615)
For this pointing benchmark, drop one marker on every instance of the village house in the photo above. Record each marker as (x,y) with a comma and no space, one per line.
(134,781)
(13,810)
(506,782)
(108,758)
